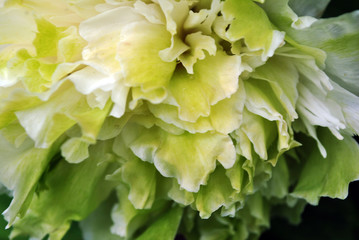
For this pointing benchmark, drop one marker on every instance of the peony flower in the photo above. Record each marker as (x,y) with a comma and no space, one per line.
(142,119)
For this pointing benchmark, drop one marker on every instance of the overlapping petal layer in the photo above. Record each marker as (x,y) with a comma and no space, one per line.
(145,118)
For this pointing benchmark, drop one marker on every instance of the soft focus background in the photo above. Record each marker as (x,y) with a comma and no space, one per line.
(333,219)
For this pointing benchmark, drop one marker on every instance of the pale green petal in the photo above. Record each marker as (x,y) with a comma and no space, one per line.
(314,87)
(123,213)
(143,142)
(339,38)
(84,8)
(99,87)
(318,54)
(307,67)
(102,32)
(155,96)
(216,193)
(12,101)
(152,12)
(188,157)
(138,52)
(112,126)
(283,78)
(261,132)
(47,121)
(284,17)
(141,179)
(69,47)
(262,102)
(191,158)
(128,221)
(250,22)
(350,106)
(306,127)
(98,99)
(214,79)
(175,13)
(39,70)
(75,150)
(176,49)
(236,175)
(15,134)
(205,18)
(36,75)
(16,26)
(169,114)
(88,79)
(328,176)
(316,108)
(198,44)
(179,195)
(58,13)
(243,146)
(47,38)
(225,116)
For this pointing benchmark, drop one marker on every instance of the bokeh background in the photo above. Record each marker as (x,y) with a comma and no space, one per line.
(332,219)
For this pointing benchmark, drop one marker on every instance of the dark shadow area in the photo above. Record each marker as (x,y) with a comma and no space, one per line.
(338,7)
(332,219)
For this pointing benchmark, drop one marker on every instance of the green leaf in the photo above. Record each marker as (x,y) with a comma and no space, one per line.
(98,224)
(308,7)
(83,187)
(21,168)
(328,176)
(165,227)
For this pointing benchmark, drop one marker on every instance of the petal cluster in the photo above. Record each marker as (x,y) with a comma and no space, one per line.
(148,118)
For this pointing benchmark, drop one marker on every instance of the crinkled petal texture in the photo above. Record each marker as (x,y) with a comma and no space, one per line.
(142,119)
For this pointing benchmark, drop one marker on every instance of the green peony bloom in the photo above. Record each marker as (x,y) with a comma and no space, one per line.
(142,119)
